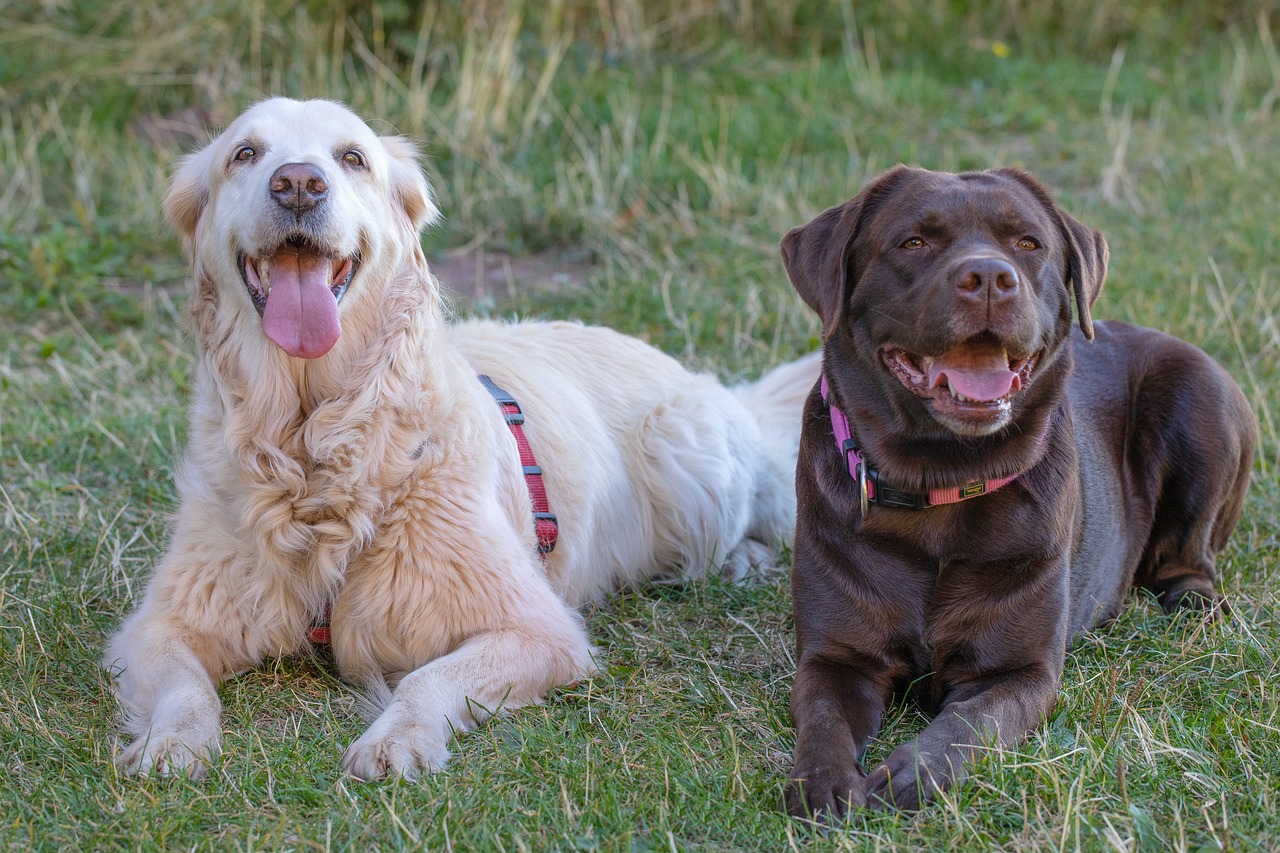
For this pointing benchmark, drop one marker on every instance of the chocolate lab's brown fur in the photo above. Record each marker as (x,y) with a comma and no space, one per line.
(1133,451)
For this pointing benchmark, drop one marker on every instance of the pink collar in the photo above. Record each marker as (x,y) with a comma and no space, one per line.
(874,491)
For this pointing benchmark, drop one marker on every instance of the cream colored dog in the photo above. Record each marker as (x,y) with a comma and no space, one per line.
(342,454)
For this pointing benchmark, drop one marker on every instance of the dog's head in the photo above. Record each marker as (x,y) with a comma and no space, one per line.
(296,206)
(952,291)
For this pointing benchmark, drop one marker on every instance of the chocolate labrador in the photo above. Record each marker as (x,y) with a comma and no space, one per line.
(979,481)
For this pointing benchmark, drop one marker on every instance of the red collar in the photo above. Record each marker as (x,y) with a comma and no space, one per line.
(546,527)
(874,491)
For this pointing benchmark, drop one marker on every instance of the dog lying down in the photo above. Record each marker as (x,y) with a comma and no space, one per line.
(978,481)
(343,455)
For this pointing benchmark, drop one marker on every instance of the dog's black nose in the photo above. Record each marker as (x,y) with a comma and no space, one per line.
(987,280)
(298,187)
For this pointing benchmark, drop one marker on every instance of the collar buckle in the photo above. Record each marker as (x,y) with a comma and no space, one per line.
(863,496)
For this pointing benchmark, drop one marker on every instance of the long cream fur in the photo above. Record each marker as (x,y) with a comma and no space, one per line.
(380,478)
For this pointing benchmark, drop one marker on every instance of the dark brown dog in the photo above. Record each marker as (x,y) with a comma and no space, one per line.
(949,347)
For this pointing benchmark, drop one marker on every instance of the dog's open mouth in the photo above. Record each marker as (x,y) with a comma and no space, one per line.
(296,291)
(974,381)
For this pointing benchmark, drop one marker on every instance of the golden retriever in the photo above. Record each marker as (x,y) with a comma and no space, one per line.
(343,456)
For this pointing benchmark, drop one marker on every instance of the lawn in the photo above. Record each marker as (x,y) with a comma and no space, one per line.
(631,164)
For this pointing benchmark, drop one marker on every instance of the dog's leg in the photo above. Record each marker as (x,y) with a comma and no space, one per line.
(169,699)
(1185,581)
(1191,451)
(498,669)
(1193,518)
(848,667)
(199,622)
(995,712)
(991,685)
(837,709)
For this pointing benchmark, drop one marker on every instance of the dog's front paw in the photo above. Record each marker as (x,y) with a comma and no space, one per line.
(825,791)
(167,755)
(909,778)
(1194,593)
(398,745)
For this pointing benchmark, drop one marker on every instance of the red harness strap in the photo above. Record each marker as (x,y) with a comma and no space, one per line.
(546,527)
(319,633)
(545,524)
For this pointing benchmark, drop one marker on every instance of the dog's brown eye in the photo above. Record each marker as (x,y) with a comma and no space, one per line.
(1028,244)
(913,243)
(353,158)
(246,152)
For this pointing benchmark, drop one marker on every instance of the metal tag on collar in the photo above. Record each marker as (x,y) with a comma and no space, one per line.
(862,490)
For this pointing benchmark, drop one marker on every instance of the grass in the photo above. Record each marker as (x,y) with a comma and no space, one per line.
(670,146)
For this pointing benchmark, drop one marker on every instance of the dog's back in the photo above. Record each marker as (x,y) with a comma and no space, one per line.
(647,465)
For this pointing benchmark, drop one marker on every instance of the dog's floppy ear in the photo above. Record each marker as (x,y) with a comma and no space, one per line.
(408,185)
(1086,250)
(188,194)
(1087,257)
(817,254)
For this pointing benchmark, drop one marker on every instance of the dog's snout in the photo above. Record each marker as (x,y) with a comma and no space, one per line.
(987,280)
(299,187)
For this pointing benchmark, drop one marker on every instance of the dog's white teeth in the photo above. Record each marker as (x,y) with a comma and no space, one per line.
(264,273)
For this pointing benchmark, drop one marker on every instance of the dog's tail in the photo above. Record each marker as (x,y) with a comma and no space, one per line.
(777,399)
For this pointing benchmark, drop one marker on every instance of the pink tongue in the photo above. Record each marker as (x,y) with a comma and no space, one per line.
(976,371)
(301,314)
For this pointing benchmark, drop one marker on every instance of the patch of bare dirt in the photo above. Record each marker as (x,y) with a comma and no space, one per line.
(480,275)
